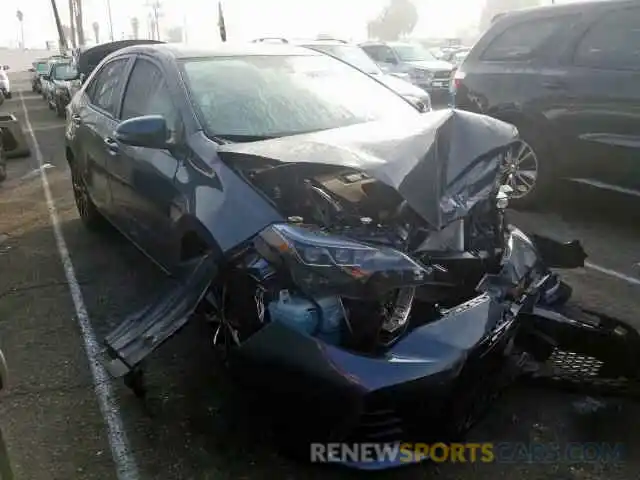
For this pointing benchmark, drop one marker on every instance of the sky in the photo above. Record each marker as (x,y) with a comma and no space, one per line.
(245,19)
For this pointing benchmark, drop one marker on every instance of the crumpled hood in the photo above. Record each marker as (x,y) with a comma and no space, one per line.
(442,163)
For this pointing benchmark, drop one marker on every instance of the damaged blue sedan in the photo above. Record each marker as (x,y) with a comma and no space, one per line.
(351,253)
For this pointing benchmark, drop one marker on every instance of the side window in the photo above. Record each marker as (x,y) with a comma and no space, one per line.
(147,94)
(523,40)
(613,42)
(103,91)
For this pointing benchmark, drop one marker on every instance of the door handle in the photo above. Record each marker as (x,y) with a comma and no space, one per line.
(112,145)
(76,119)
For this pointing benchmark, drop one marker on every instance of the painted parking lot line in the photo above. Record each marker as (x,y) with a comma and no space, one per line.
(612,273)
(123,457)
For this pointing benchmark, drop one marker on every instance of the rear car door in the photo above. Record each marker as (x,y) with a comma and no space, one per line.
(95,122)
(603,123)
(143,178)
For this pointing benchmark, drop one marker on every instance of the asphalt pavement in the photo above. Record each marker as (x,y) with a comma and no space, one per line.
(54,419)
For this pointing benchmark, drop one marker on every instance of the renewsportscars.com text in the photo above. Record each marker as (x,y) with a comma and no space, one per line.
(488,452)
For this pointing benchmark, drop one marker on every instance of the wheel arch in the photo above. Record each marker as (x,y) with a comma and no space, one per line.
(195,239)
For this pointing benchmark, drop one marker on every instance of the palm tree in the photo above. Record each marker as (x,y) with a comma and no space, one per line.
(96,31)
(135,27)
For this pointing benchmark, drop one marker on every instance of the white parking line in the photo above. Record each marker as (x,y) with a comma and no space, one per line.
(122,455)
(613,273)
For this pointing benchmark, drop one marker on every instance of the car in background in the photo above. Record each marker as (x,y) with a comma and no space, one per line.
(567,76)
(39,67)
(46,85)
(424,70)
(356,57)
(457,56)
(5,84)
(62,76)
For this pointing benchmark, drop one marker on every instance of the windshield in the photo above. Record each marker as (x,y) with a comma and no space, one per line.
(412,53)
(272,96)
(352,55)
(64,71)
(42,67)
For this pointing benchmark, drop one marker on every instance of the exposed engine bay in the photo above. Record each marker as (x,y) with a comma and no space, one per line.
(337,218)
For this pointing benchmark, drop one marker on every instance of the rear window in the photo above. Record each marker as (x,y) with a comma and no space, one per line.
(612,43)
(523,40)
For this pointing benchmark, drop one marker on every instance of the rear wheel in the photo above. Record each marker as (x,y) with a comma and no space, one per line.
(87,210)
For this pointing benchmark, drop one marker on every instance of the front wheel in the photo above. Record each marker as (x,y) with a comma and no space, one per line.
(87,210)
(60,110)
(525,169)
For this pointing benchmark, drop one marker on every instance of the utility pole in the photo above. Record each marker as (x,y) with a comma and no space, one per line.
(79,23)
(110,20)
(61,39)
(72,23)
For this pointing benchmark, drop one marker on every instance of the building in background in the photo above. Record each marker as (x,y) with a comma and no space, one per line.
(495,7)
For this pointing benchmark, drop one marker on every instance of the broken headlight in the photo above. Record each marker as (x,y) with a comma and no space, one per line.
(318,260)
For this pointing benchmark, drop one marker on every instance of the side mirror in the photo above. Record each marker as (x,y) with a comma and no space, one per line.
(149,131)
(32,69)
(5,67)
(46,77)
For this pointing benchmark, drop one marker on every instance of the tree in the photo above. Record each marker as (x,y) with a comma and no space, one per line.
(20,17)
(96,31)
(398,18)
(135,27)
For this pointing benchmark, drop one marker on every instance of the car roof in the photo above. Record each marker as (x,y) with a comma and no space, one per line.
(559,9)
(181,51)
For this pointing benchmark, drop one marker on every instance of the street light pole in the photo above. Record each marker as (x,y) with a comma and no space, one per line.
(110,20)
(20,18)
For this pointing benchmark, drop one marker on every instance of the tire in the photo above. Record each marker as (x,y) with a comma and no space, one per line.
(3,172)
(88,212)
(533,156)
(8,95)
(60,111)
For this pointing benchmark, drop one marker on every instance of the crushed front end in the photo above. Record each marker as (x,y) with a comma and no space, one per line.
(392,302)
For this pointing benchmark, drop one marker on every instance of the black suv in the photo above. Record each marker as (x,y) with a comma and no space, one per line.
(568,77)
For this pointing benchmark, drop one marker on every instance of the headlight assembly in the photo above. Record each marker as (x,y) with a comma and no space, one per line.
(321,261)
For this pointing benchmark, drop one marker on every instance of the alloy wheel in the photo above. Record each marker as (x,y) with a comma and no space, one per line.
(520,169)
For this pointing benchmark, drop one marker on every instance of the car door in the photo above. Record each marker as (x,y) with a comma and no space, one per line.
(143,178)
(95,121)
(603,119)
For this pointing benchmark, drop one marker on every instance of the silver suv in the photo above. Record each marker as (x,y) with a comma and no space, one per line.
(424,70)
(354,55)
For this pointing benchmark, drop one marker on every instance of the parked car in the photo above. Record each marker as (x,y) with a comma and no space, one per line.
(62,76)
(355,56)
(294,197)
(424,70)
(46,84)
(3,173)
(39,68)
(5,84)
(567,76)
